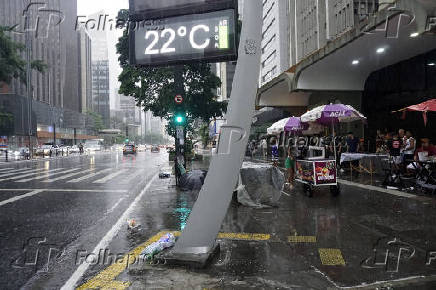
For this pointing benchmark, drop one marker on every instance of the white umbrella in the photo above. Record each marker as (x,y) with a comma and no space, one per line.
(277,127)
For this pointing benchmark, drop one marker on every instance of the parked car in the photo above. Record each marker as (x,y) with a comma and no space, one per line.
(155,149)
(129,149)
(74,149)
(44,150)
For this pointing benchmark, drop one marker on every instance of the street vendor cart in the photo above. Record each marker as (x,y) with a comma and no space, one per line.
(316,172)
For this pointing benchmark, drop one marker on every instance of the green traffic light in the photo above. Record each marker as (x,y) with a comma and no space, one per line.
(180,119)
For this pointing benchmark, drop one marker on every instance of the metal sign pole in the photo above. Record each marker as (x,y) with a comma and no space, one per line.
(198,237)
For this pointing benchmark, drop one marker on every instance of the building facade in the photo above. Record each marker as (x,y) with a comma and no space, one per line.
(85,67)
(275,39)
(377,56)
(100,72)
(57,89)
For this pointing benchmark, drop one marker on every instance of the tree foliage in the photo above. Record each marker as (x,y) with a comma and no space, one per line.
(11,62)
(154,89)
(98,120)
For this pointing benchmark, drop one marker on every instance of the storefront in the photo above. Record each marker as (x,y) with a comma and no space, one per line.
(397,86)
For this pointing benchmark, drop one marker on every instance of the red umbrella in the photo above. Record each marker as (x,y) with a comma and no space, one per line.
(428,106)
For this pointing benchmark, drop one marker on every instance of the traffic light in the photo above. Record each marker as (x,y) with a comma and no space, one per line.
(180,119)
(127,140)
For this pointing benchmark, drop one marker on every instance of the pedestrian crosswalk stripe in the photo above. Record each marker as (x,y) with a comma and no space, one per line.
(68,176)
(16,198)
(331,257)
(90,175)
(46,175)
(5,169)
(110,176)
(12,172)
(132,177)
(34,173)
(20,172)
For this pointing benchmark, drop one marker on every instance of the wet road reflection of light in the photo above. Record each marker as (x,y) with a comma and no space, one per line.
(92,162)
(183,211)
(47,165)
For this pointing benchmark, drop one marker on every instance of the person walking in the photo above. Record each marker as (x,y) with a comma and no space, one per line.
(275,153)
(81,148)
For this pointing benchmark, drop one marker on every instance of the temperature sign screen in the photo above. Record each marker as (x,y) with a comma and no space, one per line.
(206,37)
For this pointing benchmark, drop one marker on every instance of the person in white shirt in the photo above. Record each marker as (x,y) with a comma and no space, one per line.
(409,146)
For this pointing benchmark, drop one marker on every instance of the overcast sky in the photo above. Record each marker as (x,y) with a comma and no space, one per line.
(111,7)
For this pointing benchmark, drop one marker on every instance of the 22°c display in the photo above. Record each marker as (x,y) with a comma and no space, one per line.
(206,37)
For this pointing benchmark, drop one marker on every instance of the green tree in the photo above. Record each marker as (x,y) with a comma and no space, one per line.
(204,135)
(153,87)
(11,63)
(98,120)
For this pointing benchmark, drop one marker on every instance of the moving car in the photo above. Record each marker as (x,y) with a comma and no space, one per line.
(129,149)
(155,149)
(142,148)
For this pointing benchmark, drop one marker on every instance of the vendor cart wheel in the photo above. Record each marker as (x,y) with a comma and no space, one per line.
(335,190)
(308,190)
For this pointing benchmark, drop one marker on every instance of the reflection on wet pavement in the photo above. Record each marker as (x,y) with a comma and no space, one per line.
(312,243)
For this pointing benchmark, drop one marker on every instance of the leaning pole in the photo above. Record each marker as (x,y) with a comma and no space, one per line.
(199,235)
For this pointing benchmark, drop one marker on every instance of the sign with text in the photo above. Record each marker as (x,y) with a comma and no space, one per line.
(325,172)
(183,39)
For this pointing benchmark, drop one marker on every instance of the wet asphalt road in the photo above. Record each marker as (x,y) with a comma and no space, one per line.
(317,243)
(51,208)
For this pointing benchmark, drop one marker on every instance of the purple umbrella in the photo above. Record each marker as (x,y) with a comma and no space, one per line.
(295,125)
(332,114)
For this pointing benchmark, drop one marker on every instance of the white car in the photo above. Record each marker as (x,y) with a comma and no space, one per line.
(44,150)
(74,149)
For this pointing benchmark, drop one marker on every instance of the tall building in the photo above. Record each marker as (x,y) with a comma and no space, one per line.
(85,67)
(275,39)
(100,72)
(56,92)
(46,45)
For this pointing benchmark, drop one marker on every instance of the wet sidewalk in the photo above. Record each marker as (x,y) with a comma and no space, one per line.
(318,243)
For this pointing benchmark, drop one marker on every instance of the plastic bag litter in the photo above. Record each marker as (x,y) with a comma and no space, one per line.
(166,241)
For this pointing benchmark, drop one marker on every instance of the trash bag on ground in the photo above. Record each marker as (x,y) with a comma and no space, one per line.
(192,180)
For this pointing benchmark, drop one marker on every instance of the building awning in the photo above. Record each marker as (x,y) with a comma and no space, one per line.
(278,93)
(395,34)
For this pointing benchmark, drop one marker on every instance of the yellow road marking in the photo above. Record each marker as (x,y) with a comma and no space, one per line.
(106,278)
(331,257)
(244,236)
(302,239)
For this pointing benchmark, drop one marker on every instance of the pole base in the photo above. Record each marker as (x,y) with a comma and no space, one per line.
(191,260)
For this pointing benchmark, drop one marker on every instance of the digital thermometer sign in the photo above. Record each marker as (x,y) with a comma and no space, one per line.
(206,37)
